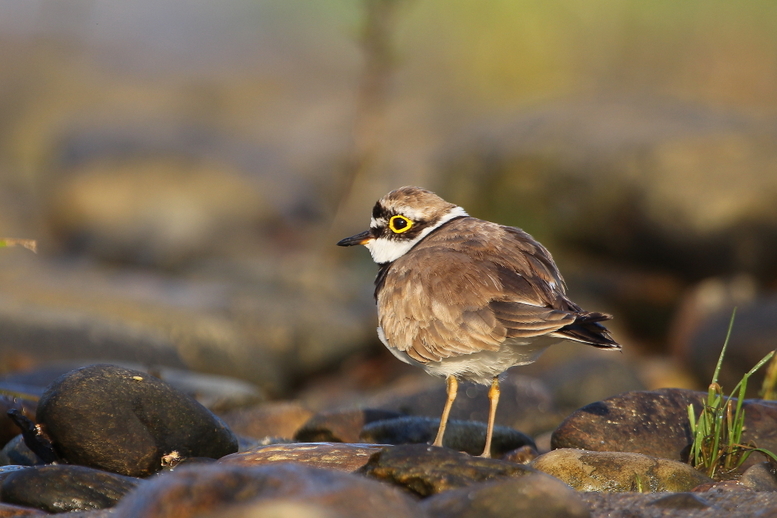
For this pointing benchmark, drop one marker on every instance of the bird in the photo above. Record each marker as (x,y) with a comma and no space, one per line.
(464,298)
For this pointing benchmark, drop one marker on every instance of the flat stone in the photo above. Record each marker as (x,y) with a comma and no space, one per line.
(618,472)
(127,421)
(427,470)
(334,456)
(466,436)
(535,495)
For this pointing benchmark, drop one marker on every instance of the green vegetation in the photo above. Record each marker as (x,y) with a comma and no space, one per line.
(717,447)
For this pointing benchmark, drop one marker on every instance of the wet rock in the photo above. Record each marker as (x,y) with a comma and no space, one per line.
(655,423)
(525,404)
(534,495)
(126,421)
(272,419)
(466,436)
(427,470)
(58,489)
(220,488)
(340,425)
(17,452)
(760,477)
(334,456)
(616,472)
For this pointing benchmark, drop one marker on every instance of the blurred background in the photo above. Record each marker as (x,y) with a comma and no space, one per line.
(186,168)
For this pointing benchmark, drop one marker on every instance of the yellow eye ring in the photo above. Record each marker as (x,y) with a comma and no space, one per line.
(399,224)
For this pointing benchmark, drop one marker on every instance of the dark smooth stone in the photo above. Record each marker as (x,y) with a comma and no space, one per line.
(59,489)
(218,489)
(341,426)
(126,421)
(656,423)
(427,470)
(466,436)
(535,495)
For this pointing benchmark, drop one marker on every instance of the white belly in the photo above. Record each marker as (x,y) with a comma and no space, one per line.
(481,367)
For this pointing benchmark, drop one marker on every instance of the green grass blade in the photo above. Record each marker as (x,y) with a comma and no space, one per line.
(725,345)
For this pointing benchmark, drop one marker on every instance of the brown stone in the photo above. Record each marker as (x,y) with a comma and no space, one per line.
(655,423)
(617,472)
(427,470)
(335,456)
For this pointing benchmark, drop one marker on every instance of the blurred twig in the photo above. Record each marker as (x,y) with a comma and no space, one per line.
(29,244)
(376,41)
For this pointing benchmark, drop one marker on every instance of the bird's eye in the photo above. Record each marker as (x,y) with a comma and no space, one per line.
(399,224)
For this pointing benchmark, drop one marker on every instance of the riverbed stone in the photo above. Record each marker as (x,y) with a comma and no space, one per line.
(618,472)
(126,421)
(426,470)
(655,423)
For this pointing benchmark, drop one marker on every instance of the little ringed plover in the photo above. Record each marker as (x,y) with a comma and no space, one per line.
(465,298)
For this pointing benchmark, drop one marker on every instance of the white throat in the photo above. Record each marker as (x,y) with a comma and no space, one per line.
(387,250)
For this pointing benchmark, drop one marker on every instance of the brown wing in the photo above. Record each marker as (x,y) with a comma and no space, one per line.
(469,289)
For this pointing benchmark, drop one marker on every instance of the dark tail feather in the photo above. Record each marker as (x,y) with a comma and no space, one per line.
(587,329)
